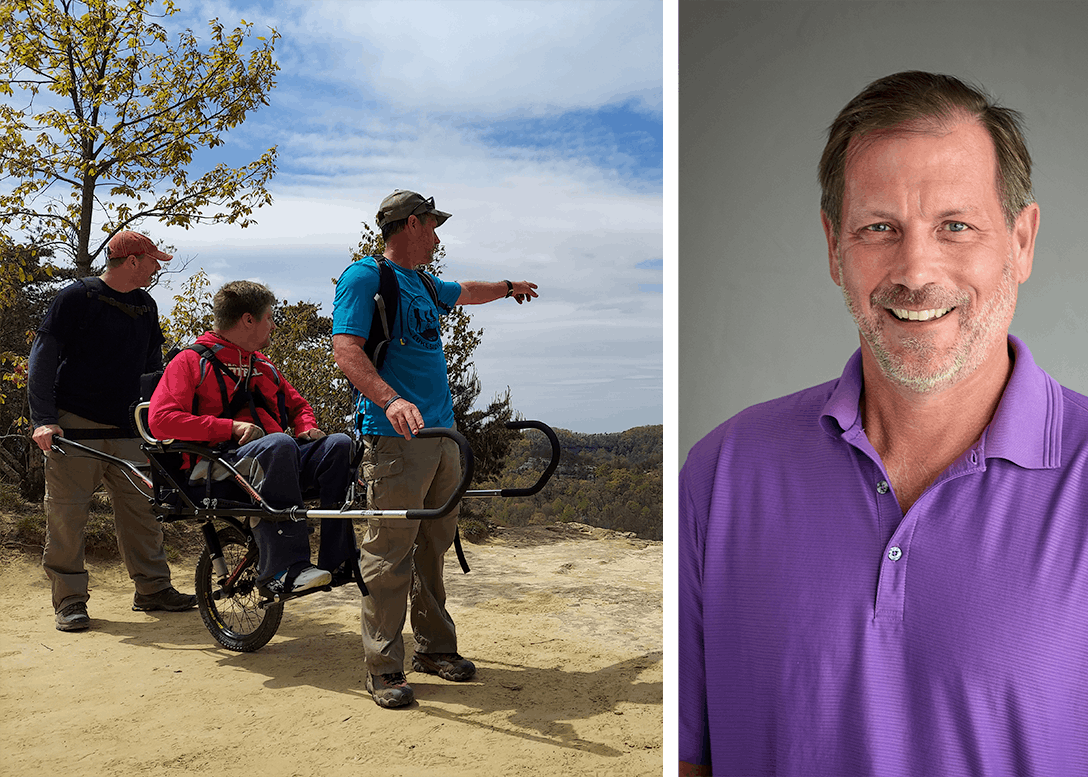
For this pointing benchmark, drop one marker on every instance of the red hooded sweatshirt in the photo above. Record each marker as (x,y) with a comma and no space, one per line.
(171,415)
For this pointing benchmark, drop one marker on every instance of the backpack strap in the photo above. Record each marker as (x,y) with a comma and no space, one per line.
(386,302)
(95,287)
(429,285)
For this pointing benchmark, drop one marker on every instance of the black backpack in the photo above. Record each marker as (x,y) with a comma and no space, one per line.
(386,302)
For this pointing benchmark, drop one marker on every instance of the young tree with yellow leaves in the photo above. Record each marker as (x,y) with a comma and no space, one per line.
(111,115)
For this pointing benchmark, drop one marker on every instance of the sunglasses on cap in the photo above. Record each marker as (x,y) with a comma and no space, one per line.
(424,207)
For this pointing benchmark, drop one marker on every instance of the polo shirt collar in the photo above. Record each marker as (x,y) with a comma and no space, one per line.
(843,406)
(1026,428)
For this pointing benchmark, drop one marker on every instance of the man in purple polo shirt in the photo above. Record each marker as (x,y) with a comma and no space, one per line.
(888,574)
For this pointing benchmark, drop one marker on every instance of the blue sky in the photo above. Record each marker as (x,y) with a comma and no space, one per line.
(537,124)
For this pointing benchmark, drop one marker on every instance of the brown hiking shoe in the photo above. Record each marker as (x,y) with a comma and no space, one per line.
(390,690)
(167,599)
(448,666)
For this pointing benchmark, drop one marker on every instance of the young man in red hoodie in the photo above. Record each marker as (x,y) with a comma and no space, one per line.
(244,399)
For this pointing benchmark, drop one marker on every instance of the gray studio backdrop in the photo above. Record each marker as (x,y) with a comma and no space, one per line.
(759,316)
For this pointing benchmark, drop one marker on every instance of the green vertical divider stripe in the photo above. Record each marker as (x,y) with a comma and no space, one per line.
(670,150)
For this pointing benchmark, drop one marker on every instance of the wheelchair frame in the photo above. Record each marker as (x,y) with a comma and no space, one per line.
(240,615)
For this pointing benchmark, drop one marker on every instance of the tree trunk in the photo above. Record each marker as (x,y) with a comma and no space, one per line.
(86,210)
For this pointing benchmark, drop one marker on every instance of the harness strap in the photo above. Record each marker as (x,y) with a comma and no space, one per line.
(244,396)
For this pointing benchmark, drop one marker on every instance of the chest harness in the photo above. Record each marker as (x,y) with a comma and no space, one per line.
(245,395)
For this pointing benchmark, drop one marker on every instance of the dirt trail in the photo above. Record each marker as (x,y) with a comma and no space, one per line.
(564,624)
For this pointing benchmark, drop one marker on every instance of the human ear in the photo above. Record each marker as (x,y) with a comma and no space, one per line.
(832,247)
(1023,241)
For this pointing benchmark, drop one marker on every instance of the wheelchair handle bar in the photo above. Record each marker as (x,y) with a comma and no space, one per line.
(544,476)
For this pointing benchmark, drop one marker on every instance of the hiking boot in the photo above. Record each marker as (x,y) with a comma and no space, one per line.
(448,666)
(73,617)
(168,599)
(390,690)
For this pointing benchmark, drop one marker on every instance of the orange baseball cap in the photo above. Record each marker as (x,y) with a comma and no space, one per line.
(128,243)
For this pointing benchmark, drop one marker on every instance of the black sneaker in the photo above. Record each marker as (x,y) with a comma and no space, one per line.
(390,690)
(73,617)
(167,599)
(343,574)
(448,666)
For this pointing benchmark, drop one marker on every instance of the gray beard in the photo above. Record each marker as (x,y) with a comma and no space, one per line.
(921,367)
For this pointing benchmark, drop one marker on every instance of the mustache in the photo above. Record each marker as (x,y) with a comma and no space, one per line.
(930,296)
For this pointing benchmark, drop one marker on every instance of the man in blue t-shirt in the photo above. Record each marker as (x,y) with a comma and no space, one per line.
(99,335)
(409,392)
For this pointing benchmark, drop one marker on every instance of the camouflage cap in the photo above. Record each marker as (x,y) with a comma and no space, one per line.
(401,204)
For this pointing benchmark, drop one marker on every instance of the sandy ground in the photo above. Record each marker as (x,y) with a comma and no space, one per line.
(564,625)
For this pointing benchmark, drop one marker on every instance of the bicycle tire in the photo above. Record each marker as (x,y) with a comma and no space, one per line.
(234,619)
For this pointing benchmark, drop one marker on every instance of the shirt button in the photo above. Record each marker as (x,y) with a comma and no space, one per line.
(895,553)
(882,487)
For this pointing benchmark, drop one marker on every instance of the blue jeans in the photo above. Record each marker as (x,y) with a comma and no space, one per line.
(293,468)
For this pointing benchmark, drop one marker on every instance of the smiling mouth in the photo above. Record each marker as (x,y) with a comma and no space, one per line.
(919,315)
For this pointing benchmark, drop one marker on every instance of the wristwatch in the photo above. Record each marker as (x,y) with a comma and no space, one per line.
(509,289)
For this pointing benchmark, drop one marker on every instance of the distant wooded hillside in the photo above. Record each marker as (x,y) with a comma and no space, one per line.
(609,480)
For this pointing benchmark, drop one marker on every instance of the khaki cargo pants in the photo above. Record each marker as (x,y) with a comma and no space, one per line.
(401,558)
(69,483)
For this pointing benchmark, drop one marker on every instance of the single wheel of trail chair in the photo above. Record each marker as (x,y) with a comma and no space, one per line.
(227,597)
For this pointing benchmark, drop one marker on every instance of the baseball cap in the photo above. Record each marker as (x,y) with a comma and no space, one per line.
(401,204)
(128,243)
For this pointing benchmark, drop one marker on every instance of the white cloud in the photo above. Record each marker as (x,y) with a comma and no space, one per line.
(486,56)
(494,57)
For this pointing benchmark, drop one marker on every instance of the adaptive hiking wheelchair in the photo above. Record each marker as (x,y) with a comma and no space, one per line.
(238,614)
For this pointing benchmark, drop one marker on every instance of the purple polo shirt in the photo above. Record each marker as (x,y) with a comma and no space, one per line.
(824,633)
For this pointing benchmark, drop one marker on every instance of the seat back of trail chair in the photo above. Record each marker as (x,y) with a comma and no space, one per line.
(170,476)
